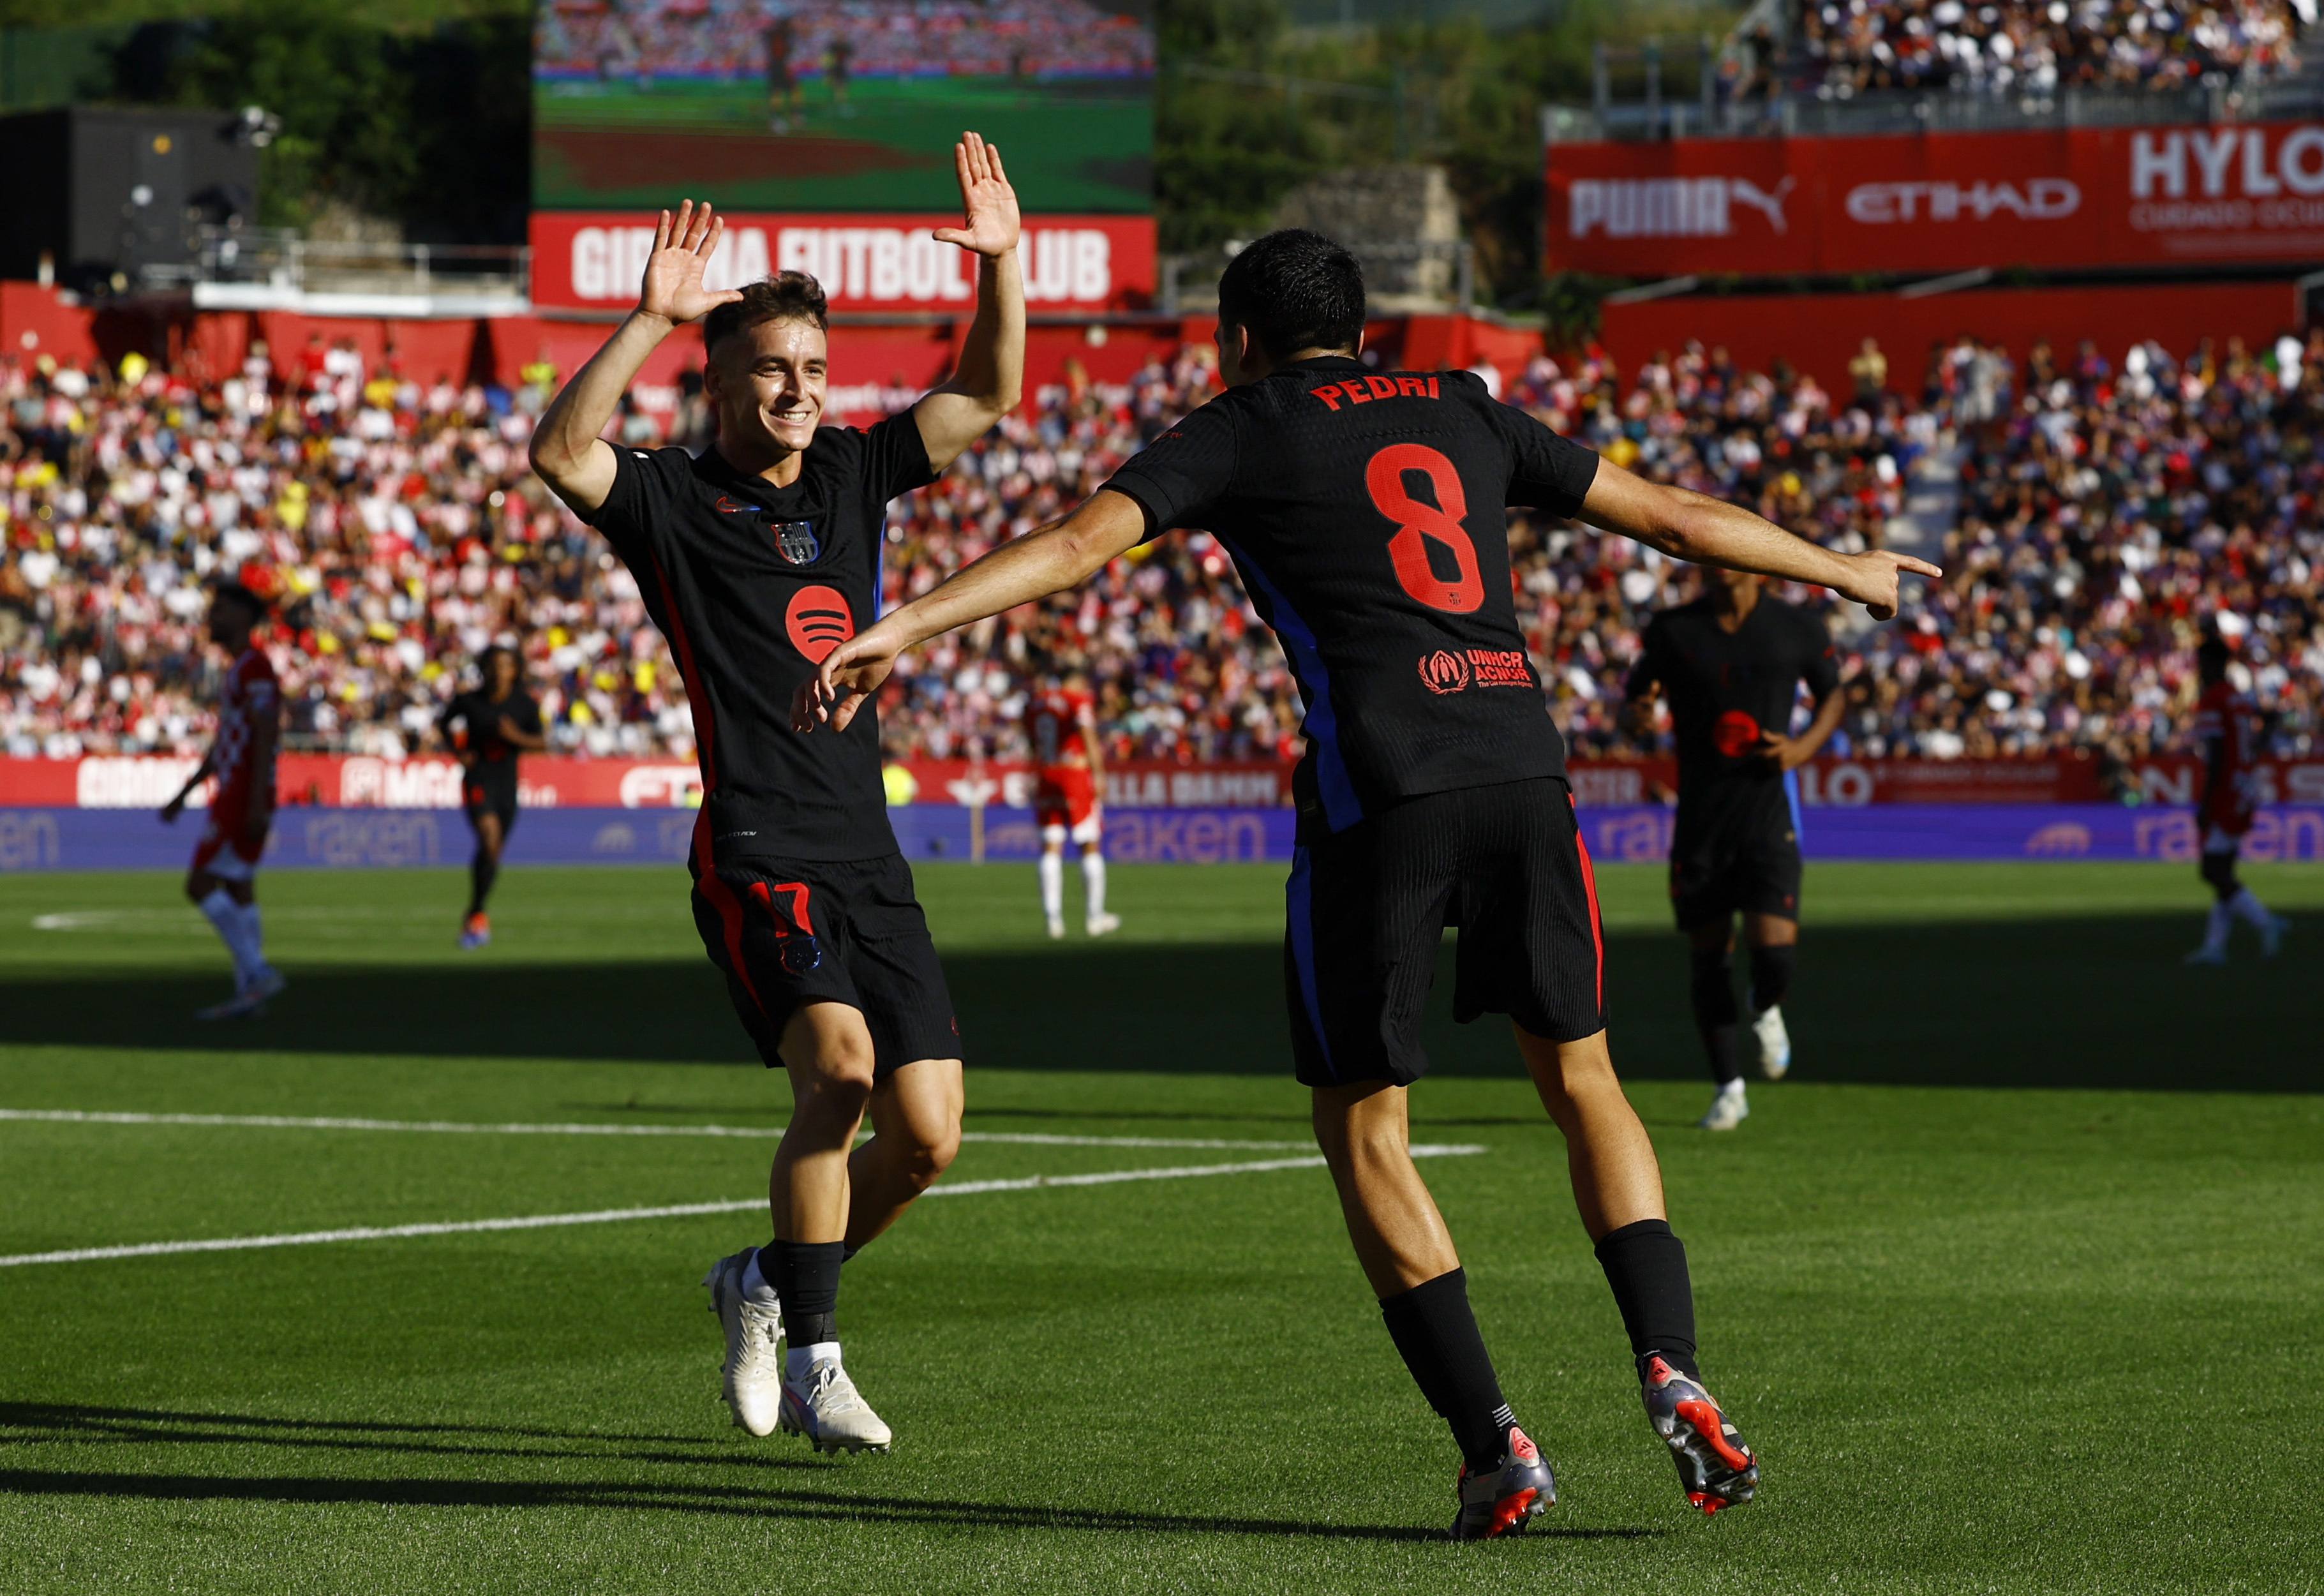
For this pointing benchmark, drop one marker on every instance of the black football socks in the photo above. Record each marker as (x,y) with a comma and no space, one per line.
(805,1276)
(1712,988)
(1771,974)
(1433,1329)
(1646,1267)
(483,870)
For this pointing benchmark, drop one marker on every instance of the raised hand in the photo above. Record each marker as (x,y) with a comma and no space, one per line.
(1872,579)
(988,204)
(683,246)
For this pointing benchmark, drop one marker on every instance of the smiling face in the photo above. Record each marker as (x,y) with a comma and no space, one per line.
(766,381)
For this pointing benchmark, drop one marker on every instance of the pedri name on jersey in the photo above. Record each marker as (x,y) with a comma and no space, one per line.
(1364,389)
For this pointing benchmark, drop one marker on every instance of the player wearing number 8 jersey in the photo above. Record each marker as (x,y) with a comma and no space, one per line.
(1365,512)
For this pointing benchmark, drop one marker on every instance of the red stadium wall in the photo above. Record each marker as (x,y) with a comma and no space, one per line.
(1821,333)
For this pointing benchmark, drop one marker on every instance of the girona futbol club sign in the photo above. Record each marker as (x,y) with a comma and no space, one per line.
(2058,198)
(593,260)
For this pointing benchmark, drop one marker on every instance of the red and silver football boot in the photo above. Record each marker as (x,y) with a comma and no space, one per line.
(1499,1503)
(1715,1468)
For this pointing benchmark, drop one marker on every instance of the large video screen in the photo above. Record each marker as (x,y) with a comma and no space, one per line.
(838,105)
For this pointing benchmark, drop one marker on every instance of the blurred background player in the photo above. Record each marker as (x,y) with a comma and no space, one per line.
(487,727)
(1432,793)
(782,78)
(1731,664)
(755,560)
(1069,765)
(2223,733)
(223,878)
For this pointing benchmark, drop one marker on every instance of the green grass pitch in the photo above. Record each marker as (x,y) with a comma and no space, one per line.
(2014,1284)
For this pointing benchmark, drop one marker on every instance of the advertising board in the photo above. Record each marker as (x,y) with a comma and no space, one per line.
(878,262)
(550,783)
(2059,196)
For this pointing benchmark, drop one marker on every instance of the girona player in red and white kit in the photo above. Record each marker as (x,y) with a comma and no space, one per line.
(2223,733)
(242,757)
(1061,726)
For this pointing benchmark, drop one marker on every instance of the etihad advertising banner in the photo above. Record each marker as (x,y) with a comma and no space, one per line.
(839,105)
(873,262)
(1936,202)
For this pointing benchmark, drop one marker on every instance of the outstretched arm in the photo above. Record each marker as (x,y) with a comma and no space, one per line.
(566,451)
(1708,531)
(1063,554)
(990,378)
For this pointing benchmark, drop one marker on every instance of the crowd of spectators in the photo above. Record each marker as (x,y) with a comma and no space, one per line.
(2102,519)
(1848,47)
(2097,524)
(735,39)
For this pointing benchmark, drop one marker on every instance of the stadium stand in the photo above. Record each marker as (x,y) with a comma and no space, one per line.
(724,38)
(1849,47)
(2101,515)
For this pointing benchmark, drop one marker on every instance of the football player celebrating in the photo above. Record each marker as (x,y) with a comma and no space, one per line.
(756,560)
(1364,509)
(487,729)
(223,879)
(1732,663)
(2223,733)
(1061,726)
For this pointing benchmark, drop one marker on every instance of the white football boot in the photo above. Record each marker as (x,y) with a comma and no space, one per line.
(1775,1042)
(751,1377)
(1103,925)
(1727,1110)
(828,1410)
(1057,927)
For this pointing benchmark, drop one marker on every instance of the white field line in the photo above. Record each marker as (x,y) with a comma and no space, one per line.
(966,1188)
(455,1127)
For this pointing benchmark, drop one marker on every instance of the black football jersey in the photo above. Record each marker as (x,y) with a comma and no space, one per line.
(1365,512)
(1726,689)
(753,584)
(471,723)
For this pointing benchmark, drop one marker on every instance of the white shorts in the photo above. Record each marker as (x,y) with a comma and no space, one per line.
(2219,840)
(1088,831)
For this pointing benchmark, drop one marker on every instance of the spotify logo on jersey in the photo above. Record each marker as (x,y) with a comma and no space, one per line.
(818,621)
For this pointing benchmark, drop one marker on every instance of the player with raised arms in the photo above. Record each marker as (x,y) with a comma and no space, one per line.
(223,879)
(1731,664)
(756,560)
(488,727)
(1364,509)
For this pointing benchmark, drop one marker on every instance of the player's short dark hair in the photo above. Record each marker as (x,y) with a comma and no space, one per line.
(242,597)
(484,660)
(1294,289)
(2211,656)
(787,296)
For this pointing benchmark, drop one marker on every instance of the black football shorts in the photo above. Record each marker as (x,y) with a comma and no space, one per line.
(1711,882)
(485,795)
(791,933)
(1367,907)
